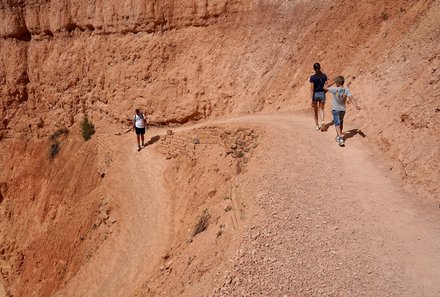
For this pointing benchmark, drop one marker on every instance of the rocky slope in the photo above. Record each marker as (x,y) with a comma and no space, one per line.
(195,60)
(187,61)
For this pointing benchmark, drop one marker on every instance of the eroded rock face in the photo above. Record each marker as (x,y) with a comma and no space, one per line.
(60,59)
(187,60)
(24,19)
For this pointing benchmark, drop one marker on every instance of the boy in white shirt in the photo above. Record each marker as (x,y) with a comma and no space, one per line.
(340,95)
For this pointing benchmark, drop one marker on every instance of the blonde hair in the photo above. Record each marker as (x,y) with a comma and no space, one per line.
(340,80)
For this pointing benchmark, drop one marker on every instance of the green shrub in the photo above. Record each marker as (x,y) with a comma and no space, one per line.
(87,128)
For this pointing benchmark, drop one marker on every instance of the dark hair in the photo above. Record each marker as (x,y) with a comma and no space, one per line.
(316,66)
(137,110)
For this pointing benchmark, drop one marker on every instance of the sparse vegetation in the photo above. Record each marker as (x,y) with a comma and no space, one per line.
(54,149)
(384,16)
(58,133)
(202,224)
(87,128)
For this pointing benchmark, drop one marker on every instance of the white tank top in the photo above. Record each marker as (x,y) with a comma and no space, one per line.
(139,121)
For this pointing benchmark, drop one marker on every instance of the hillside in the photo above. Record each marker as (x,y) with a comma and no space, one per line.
(203,62)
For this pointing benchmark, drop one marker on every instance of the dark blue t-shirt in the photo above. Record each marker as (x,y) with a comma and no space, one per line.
(318,81)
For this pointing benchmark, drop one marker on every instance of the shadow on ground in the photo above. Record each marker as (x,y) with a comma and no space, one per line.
(152,140)
(351,133)
(325,127)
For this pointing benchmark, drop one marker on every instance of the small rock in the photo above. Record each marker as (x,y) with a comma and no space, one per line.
(255,235)
(168,264)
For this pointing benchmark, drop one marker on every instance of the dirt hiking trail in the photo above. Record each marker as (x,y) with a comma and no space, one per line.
(135,186)
(321,221)
(332,221)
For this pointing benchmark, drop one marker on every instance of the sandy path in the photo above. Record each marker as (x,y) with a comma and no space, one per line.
(134,183)
(326,221)
(331,221)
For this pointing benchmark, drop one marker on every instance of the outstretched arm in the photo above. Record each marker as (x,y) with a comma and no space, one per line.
(329,85)
(352,100)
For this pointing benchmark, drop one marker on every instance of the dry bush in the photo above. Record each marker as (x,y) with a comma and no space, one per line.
(202,224)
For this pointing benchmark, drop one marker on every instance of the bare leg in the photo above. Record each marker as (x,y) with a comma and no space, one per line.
(321,112)
(138,139)
(315,112)
(142,136)
(338,131)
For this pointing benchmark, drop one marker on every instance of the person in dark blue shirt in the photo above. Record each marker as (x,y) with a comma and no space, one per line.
(317,82)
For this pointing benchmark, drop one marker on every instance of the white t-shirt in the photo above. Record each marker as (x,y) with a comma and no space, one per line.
(340,95)
(139,121)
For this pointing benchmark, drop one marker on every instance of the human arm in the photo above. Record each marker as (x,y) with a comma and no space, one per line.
(352,100)
(312,89)
(326,88)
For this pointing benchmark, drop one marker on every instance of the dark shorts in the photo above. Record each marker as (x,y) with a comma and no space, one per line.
(338,117)
(139,131)
(318,97)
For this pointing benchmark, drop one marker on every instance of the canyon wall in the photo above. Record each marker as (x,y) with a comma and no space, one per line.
(182,61)
(192,60)
(61,59)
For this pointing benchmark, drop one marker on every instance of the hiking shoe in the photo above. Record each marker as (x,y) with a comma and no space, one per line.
(341,141)
(139,148)
(337,138)
(317,128)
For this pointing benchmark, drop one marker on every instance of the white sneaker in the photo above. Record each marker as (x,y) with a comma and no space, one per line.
(341,141)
